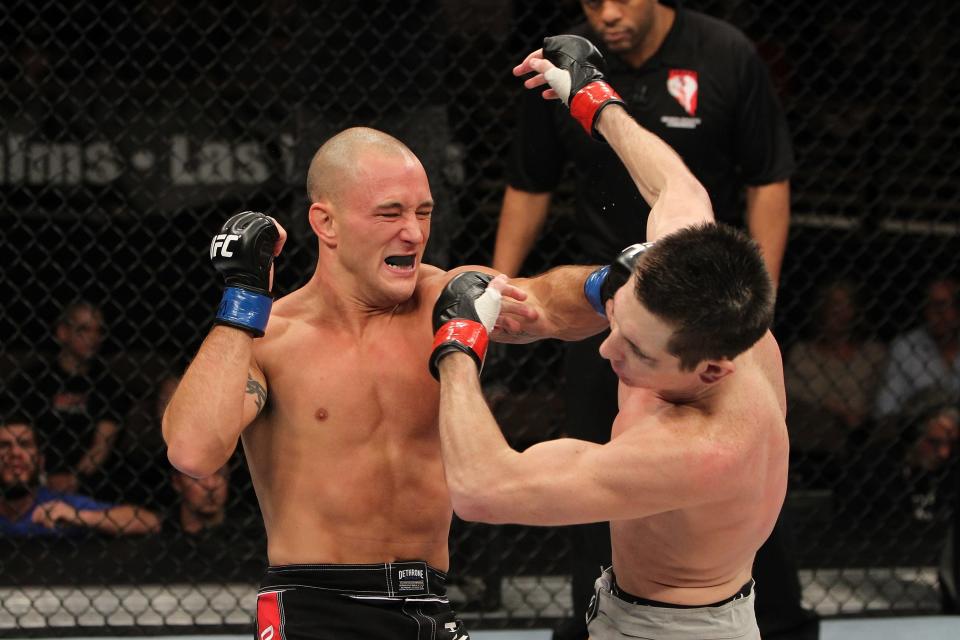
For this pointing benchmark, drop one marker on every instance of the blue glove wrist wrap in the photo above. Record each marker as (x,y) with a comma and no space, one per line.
(592,286)
(245,309)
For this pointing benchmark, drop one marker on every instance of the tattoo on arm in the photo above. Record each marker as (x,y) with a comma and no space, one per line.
(256,389)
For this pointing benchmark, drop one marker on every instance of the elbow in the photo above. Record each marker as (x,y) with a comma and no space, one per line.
(475,510)
(696,198)
(191,461)
(187,454)
(476,502)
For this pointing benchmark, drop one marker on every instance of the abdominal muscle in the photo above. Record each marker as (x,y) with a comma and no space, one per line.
(669,558)
(379,498)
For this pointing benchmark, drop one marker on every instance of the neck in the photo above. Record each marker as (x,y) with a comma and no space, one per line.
(663,19)
(338,300)
(699,395)
(194,522)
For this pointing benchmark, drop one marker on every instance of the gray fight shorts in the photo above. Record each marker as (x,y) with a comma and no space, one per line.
(612,617)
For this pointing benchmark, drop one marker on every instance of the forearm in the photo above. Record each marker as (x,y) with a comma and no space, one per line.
(120,520)
(103,439)
(564,310)
(522,216)
(204,419)
(768,220)
(675,196)
(475,453)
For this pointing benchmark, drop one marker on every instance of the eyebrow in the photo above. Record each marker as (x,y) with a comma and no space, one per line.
(638,352)
(396,204)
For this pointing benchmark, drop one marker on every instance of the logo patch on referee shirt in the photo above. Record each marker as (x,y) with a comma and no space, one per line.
(411,579)
(682,84)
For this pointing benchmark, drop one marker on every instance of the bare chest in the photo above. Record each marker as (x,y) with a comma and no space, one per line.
(354,389)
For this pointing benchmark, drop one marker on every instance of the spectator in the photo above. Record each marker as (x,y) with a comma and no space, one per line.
(27,508)
(140,465)
(928,459)
(832,377)
(908,477)
(926,357)
(203,502)
(699,85)
(76,402)
(899,496)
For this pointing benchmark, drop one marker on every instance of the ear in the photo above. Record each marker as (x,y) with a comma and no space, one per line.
(711,371)
(61,333)
(322,222)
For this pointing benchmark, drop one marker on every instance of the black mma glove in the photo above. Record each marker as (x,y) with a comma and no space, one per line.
(604,282)
(464,314)
(578,79)
(242,252)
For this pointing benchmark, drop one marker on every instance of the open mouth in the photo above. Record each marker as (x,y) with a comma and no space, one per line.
(400,263)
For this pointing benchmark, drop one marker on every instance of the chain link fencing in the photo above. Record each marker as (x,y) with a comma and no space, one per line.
(131,130)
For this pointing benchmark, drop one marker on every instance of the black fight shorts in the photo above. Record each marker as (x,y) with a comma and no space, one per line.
(393,601)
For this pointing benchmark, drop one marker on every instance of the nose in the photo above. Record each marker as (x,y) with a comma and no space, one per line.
(607,349)
(610,12)
(411,231)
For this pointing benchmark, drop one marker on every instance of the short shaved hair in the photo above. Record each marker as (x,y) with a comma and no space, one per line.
(335,160)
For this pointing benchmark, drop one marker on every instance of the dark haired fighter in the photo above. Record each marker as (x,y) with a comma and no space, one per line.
(695,472)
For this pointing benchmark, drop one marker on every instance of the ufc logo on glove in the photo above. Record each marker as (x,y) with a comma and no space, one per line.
(222,242)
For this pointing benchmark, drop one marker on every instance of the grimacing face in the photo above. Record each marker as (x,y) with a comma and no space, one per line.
(383,224)
(637,344)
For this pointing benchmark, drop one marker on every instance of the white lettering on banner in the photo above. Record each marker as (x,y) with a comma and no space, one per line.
(24,161)
(251,167)
(216,162)
(57,163)
(267,634)
(222,242)
(103,163)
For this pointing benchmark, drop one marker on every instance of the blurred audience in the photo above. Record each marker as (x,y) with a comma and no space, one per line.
(75,400)
(203,502)
(831,378)
(909,479)
(926,357)
(28,508)
(930,456)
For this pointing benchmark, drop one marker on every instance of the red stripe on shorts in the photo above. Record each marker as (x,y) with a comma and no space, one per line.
(269,616)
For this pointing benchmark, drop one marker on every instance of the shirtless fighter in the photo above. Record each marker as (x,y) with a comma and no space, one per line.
(335,408)
(695,472)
